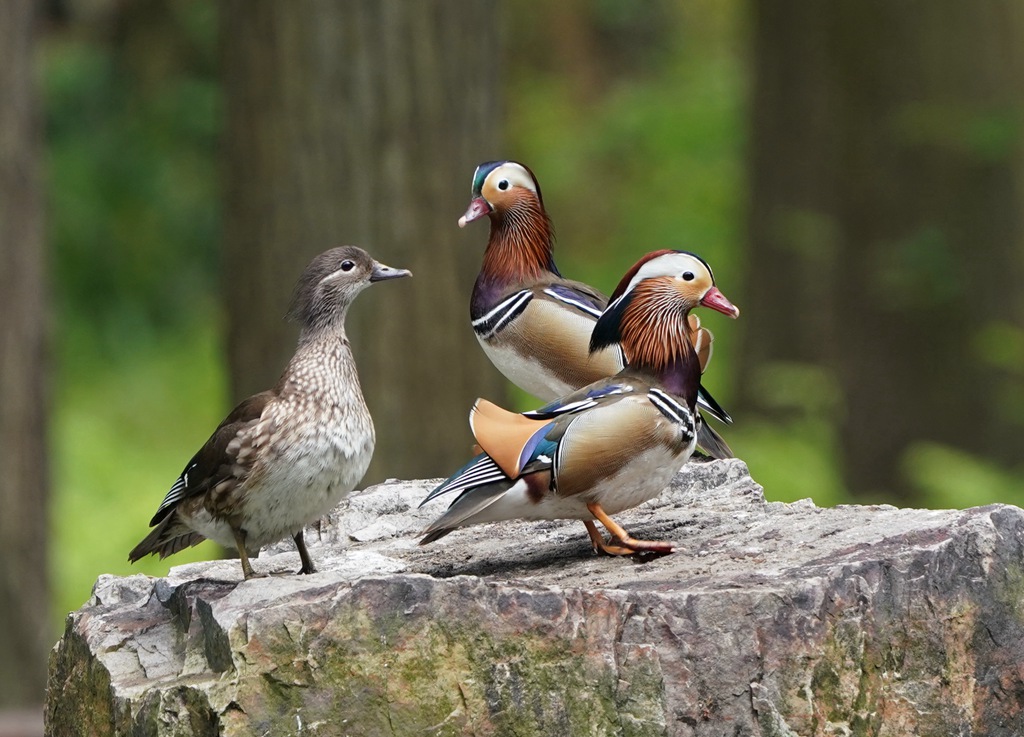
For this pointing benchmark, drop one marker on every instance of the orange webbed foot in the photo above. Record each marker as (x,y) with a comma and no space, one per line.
(621,543)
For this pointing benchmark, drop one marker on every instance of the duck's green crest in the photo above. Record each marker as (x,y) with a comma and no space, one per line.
(481,174)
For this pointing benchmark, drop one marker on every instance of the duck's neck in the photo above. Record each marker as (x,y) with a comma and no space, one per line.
(322,367)
(323,328)
(677,377)
(519,251)
(656,342)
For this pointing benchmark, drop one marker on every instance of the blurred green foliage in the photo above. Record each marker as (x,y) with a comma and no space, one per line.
(633,119)
(123,430)
(132,123)
(132,120)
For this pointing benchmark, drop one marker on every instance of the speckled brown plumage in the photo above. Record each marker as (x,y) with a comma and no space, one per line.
(284,457)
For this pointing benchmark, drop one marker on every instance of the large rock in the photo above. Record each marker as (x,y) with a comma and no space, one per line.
(772,619)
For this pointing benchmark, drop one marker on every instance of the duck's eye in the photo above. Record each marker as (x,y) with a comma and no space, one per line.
(688,276)
(348,265)
(503,185)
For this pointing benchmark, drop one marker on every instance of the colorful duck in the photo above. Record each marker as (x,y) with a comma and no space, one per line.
(533,324)
(611,445)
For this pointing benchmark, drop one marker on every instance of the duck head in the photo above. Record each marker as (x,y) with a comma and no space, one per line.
(331,282)
(521,242)
(500,187)
(647,312)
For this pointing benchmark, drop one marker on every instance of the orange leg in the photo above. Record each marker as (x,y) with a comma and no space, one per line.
(621,543)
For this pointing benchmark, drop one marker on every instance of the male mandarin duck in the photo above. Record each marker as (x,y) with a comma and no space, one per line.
(608,446)
(285,457)
(532,323)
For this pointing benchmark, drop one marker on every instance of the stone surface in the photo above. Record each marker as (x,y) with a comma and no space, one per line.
(772,619)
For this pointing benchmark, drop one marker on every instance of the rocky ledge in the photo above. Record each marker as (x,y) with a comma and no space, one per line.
(772,619)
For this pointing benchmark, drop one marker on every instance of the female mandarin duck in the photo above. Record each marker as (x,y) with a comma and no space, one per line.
(613,444)
(285,457)
(534,325)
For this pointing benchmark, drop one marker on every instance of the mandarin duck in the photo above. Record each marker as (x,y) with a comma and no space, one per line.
(533,324)
(285,457)
(611,445)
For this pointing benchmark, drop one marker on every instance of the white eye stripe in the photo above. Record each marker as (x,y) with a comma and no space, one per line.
(670,264)
(515,174)
(330,276)
(335,274)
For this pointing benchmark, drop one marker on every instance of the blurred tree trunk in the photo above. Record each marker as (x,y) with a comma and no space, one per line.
(361,123)
(24,591)
(886,226)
